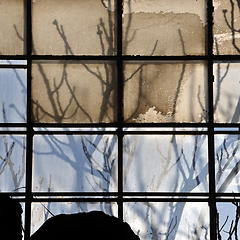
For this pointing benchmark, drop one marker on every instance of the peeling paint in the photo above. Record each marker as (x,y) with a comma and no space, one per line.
(222,37)
(152,116)
(165,93)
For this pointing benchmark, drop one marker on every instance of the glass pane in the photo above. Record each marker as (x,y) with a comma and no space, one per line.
(42,211)
(75,163)
(168,220)
(73,92)
(226,129)
(227,165)
(227,220)
(155,163)
(226,92)
(226,27)
(73,27)
(78,195)
(175,129)
(11,30)
(75,129)
(165,92)
(13,129)
(12,163)
(11,62)
(13,95)
(157,27)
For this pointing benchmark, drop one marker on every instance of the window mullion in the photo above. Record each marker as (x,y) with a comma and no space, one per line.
(211,153)
(28,35)
(120,108)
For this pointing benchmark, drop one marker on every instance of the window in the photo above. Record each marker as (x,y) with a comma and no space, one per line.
(128,107)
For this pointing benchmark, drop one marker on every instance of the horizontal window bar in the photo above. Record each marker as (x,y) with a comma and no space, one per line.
(124,125)
(74,200)
(13,57)
(123,57)
(13,125)
(13,66)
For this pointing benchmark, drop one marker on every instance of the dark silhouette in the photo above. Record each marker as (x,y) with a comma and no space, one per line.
(10,219)
(91,226)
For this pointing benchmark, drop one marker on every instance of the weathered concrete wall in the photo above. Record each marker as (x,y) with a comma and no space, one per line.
(12,23)
(179,27)
(165,91)
(226,27)
(72,93)
(177,34)
(77,20)
(226,92)
(177,92)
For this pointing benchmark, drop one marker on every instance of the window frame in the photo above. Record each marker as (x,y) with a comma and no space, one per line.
(120,197)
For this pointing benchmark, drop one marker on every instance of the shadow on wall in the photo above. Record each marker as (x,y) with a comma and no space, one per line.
(92,225)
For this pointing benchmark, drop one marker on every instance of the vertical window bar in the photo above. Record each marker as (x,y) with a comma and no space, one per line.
(28,34)
(120,106)
(211,155)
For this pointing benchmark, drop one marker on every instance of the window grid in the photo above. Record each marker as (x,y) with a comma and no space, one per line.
(212,197)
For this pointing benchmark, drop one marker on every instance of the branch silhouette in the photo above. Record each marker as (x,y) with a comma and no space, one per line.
(233,228)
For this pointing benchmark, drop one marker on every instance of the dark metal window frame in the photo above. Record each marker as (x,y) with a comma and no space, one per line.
(211,197)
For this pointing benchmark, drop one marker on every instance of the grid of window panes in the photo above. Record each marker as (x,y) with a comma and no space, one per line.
(127,107)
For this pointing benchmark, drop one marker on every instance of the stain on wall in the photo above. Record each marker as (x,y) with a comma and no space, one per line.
(145,29)
(175,91)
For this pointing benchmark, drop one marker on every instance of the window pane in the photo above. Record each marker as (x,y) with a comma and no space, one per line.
(226,27)
(174,129)
(165,92)
(75,129)
(13,129)
(159,27)
(19,62)
(166,163)
(73,27)
(226,92)
(168,220)
(227,163)
(40,213)
(71,163)
(11,30)
(73,92)
(13,95)
(12,163)
(226,129)
(227,219)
